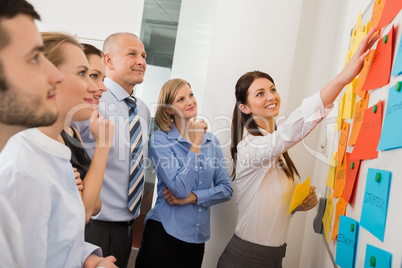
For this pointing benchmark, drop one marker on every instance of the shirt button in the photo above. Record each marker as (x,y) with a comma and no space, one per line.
(196,167)
(199,209)
(198,224)
(200,182)
(200,167)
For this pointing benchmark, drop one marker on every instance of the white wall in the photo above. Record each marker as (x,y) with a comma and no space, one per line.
(91,20)
(193,42)
(303,47)
(248,35)
(338,17)
(311,71)
(155,77)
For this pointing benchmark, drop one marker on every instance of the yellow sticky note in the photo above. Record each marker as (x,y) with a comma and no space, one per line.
(348,56)
(366,28)
(357,35)
(301,192)
(327,218)
(339,120)
(350,99)
(332,170)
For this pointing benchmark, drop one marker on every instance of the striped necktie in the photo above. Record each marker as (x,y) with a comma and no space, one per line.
(136,182)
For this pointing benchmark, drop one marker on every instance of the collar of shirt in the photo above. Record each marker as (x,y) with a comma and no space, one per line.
(116,90)
(174,134)
(47,144)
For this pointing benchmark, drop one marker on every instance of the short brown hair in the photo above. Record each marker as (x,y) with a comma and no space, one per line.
(166,97)
(10,9)
(53,44)
(91,50)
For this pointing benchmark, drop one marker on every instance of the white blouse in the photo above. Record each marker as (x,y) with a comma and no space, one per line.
(264,191)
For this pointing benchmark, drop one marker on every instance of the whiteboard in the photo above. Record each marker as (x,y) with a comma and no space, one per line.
(387,160)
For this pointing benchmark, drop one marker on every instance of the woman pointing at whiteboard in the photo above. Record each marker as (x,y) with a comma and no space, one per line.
(265,175)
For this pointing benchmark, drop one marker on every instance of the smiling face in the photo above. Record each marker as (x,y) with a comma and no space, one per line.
(263,102)
(76,92)
(184,105)
(127,63)
(28,79)
(97,75)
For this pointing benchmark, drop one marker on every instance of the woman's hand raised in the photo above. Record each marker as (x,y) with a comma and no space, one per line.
(329,93)
(195,132)
(355,64)
(101,128)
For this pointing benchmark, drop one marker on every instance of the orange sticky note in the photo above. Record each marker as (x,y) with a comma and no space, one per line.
(380,69)
(352,169)
(369,134)
(390,9)
(343,139)
(340,209)
(339,119)
(378,8)
(327,218)
(360,107)
(332,170)
(340,177)
(363,75)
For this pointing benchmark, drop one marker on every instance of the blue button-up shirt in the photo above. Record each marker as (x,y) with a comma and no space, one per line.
(183,172)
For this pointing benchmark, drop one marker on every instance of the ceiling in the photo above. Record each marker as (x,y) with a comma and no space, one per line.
(159,29)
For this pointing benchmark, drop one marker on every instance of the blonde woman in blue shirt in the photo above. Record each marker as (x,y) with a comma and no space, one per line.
(192,176)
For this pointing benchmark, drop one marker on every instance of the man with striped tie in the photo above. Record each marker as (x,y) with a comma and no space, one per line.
(122,190)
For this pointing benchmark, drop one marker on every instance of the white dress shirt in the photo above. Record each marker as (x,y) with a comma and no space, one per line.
(264,191)
(37,179)
(114,193)
(11,240)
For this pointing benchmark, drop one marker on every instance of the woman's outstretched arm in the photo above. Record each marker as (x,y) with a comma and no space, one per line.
(350,71)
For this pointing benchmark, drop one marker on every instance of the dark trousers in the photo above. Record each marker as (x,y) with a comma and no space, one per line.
(159,249)
(115,238)
(240,253)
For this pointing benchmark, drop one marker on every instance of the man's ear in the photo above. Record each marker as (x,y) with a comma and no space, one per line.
(244,109)
(108,61)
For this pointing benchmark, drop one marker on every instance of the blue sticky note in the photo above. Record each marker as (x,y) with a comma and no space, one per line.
(397,69)
(392,125)
(377,258)
(375,202)
(346,242)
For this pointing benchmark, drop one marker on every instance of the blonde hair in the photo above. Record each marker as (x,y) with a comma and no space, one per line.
(53,46)
(166,97)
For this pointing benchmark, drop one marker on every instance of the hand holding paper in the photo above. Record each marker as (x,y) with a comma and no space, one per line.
(304,197)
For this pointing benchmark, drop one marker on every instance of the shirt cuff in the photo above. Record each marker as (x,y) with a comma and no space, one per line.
(202,197)
(91,249)
(313,109)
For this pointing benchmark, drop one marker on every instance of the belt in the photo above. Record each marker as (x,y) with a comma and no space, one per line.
(116,223)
